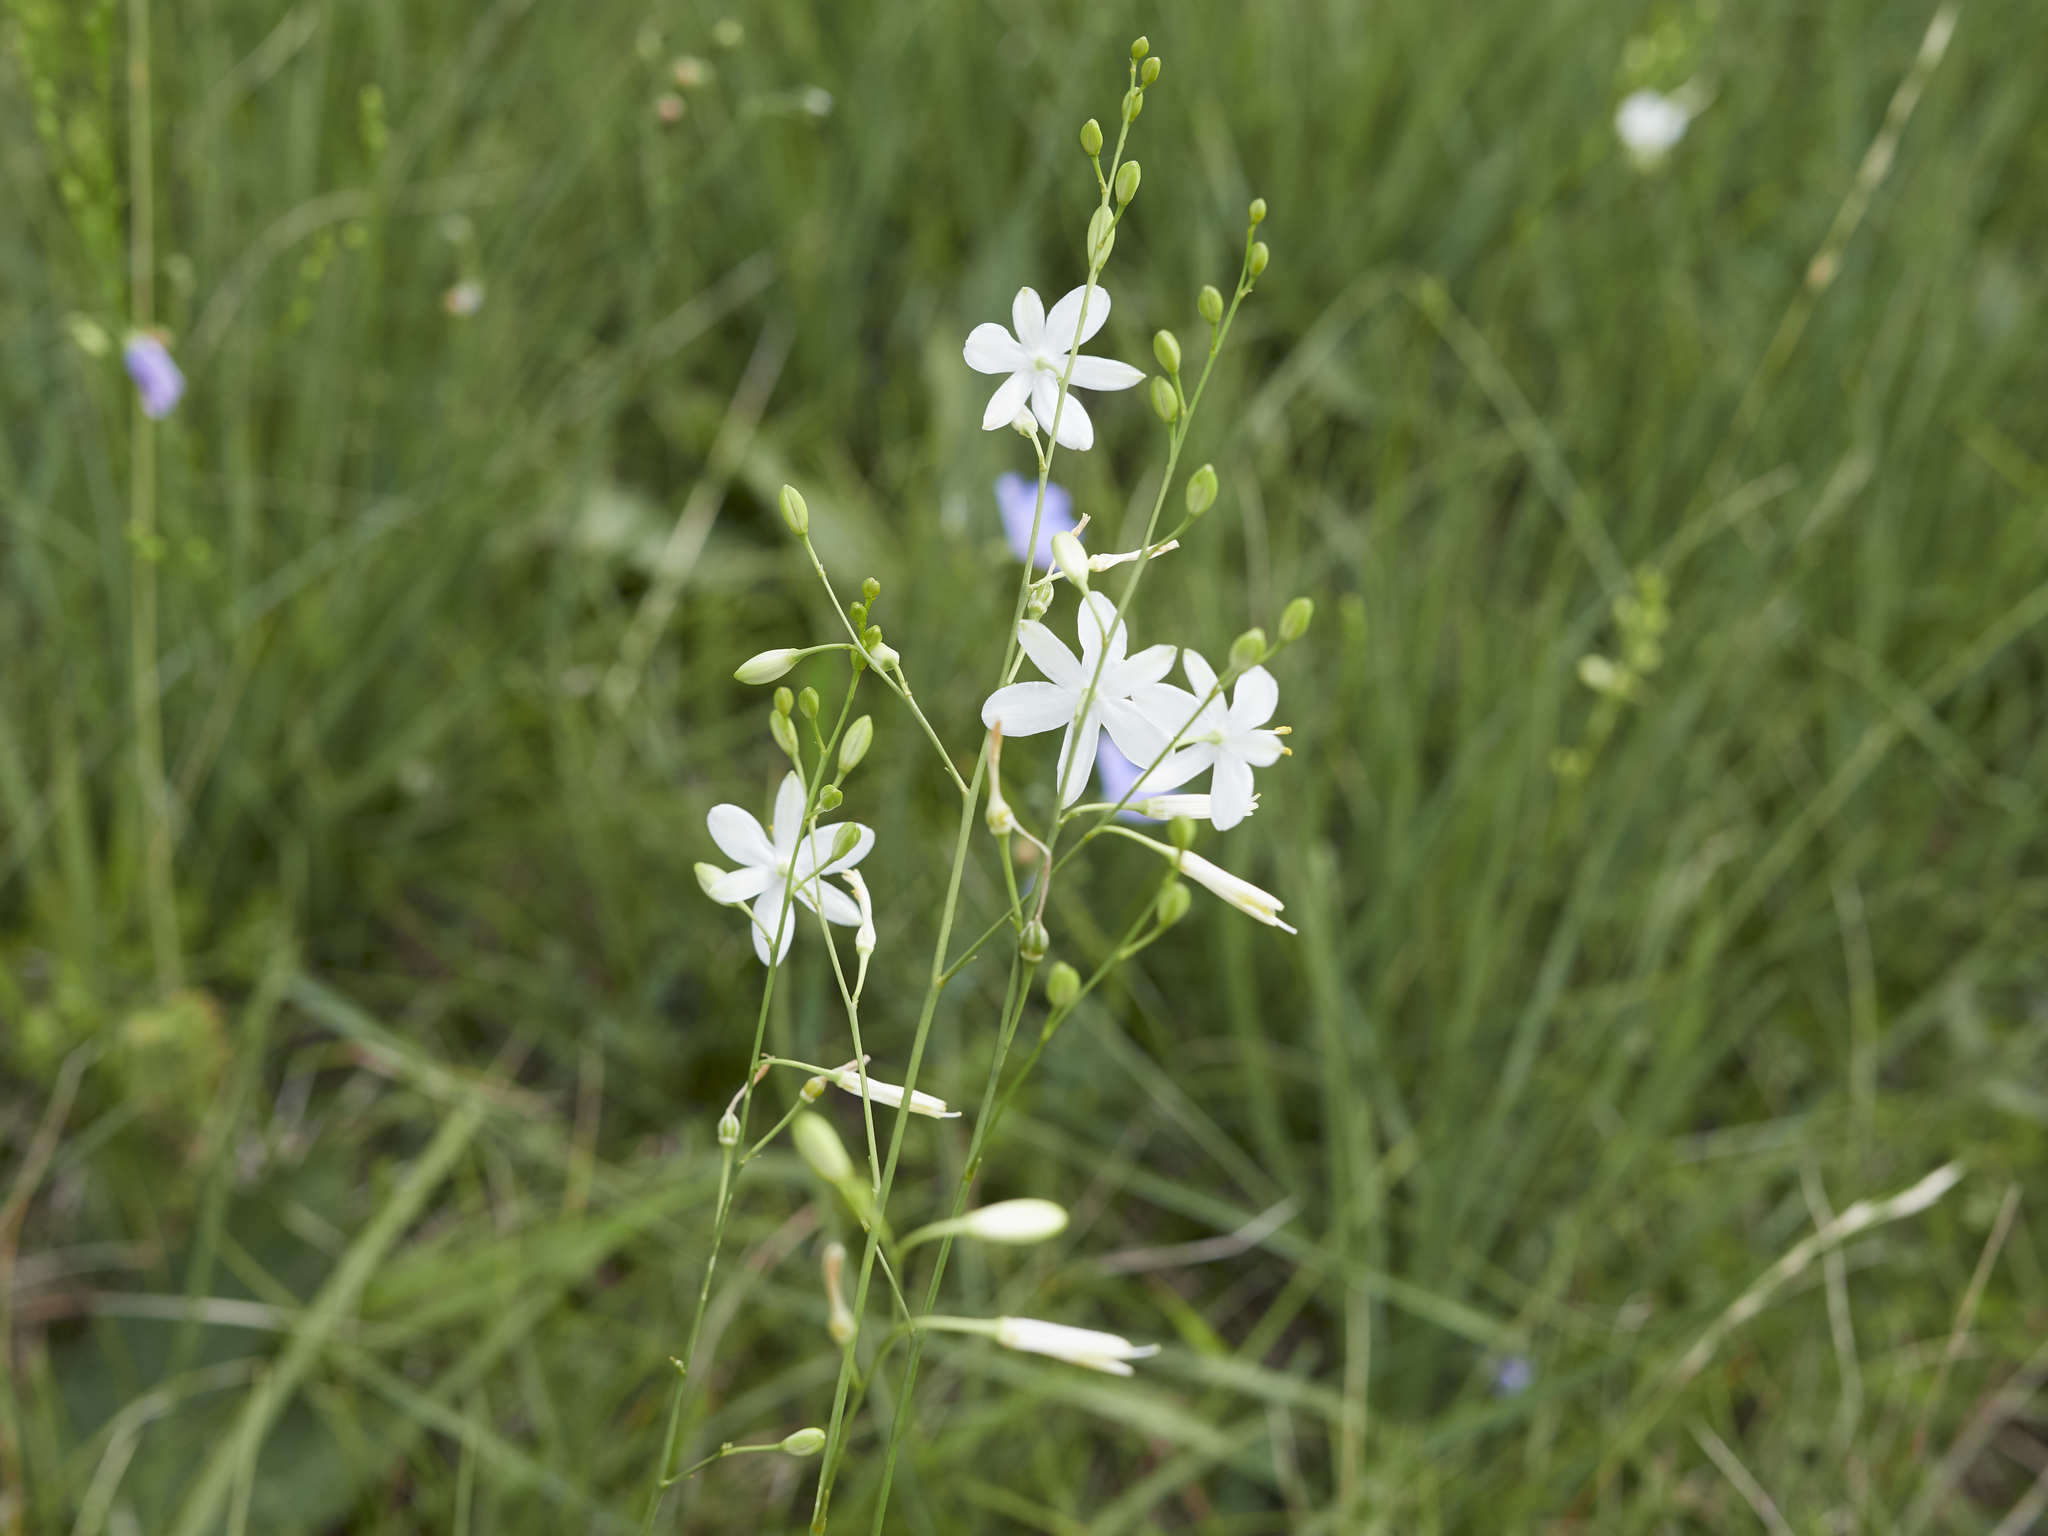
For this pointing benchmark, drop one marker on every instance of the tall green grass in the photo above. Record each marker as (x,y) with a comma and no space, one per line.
(390,1220)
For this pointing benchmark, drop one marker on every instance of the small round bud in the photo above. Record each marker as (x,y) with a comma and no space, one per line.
(1127,177)
(870,589)
(1166,347)
(1062,985)
(1248,649)
(807,703)
(1072,559)
(1165,403)
(728,1129)
(871,637)
(1173,904)
(820,1145)
(844,844)
(1182,831)
(1140,48)
(805,1442)
(1258,210)
(795,512)
(853,746)
(785,701)
(858,612)
(1295,618)
(784,733)
(708,875)
(1210,304)
(830,797)
(1101,236)
(767,666)
(728,33)
(812,1090)
(1259,257)
(1148,72)
(1033,942)
(1091,138)
(1201,490)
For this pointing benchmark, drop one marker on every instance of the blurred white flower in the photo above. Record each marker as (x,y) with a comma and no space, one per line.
(1015,1221)
(464,299)
(779,858)
(1036,356)
(1650,124)
(1077,1346)
(1026,709)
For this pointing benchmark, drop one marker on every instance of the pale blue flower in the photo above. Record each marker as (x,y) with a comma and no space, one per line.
(1017,500)
(157,379)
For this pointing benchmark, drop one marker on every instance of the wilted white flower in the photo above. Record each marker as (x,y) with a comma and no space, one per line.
(891,1096)
(1026,709)
(779,859)
(1077,1346)
(1241,894)
(1230,739)
(1650,124)
(1035,357)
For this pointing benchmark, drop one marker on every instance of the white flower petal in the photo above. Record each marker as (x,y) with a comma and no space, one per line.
(1135,734)
(1027,314)
(1075,430)
(1262,749)
(1006,402)
(739,836)
(1230,793)
(738,885)
(789,816)
(768,909)
(991,349)
(1101,633)
(1059,325)
(1173,710)
(1103,373)
(1077,756)
(1147,667)
(1200,673)
(1257,696)
(1049,655)
(817,851)
(1026,709)
(823,896)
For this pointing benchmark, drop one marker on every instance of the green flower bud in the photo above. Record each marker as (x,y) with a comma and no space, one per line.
(1148,72)
(1210,304)
(1258,210)
(871,637)
(1038,600)
(807,703)
(805,1442)
(1248,649)
(767,665)
(784,734)
(728,1129)
(1166,347)
(1139,49)
(1295,617)
(1072,559)
(847,840)
(1101,236)
(1062,985)
(870,589)
(785,701)
(1127,176)
(1182,830)
(883,656)
(829,797)
(819,1145)
(1201,490)
(1134,103)
(1165,403)
(1259,257)
(795,512)
(812,1090)
(1173,904)
(1033,942)
(853,746)
(708,875)
(858,612)
(1091,138)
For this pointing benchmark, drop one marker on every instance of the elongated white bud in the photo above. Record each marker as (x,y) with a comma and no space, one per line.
(1107,1352)
(1072,559)
(891,1096)
(766,666)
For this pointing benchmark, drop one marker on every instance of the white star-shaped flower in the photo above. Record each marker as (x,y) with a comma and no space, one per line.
(1026,709)
(779,858)
(1035,358)
(1231,739)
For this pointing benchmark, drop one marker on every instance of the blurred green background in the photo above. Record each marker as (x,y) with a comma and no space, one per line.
(408,1138)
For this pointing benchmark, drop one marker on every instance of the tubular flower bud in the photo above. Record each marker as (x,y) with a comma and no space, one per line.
(1148,72)
(1295,618)
(1165,403)
(1256,262)
(1101,236)
(1209,304)
(795,511)
(708,876)
(838,1316)
(854,745)
(1077,1346)
(890,1095)
(805,1442)
(1166,347)
(1127,177)
(767,666)
(1007,1221)
(1140,48)
(1241,894)
(1248,649)
(819,1145)
(783,732)
(807,703)
(1072,559)
(1091,138)
(864,935)
(1257,212)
